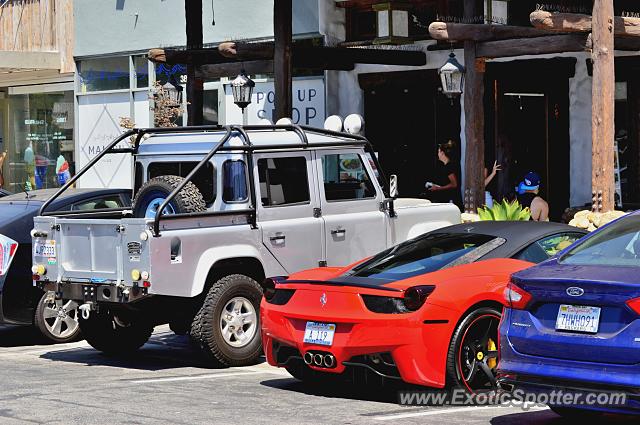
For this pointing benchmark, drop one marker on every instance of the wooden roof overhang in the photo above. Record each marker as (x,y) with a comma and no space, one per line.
(230,58)
(550,33)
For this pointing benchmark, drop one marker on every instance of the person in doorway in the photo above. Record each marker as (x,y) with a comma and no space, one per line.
(528,197)
(488,177)
(446,187)
(2,158)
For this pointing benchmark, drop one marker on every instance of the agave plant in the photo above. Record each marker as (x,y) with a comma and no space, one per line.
(504,211)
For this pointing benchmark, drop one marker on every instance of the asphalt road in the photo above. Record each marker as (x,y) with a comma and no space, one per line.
(168,382)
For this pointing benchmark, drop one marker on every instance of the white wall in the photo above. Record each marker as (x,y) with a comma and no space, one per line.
(110,26)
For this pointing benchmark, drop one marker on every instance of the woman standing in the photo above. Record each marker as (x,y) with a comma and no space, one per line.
(446,187)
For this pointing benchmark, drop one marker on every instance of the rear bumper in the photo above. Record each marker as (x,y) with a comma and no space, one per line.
(536,374)
(406,347)
(622,400)
(94,292)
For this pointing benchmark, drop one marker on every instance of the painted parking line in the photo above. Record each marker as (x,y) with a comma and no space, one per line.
(194,378)
(443,412)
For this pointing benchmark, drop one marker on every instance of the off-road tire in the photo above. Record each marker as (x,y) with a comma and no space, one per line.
(105,334)
(205,329)
(188,200)
(453,377)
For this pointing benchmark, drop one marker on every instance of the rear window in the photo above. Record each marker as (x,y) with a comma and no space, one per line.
(616,245)
(204,178)
(421,255)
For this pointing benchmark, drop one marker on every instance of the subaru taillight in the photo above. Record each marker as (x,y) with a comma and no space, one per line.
(516,297)
(8,248)
(634,304)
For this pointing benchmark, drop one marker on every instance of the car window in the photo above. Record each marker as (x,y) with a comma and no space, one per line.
(204,178)
(283,181)
(346,178)
(547,247)
(618,244)
(234,181)
(113,201)
(424,254)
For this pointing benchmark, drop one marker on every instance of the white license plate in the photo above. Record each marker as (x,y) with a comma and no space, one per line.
(319,333)
(45,249)
(578,318)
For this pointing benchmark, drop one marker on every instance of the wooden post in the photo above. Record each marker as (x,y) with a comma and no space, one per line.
(195,85)
(474,118)
(282,68)
(602,113)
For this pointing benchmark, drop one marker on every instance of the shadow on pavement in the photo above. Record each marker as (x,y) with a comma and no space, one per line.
(547,417)
(20,336)
(163,351)
(362,391)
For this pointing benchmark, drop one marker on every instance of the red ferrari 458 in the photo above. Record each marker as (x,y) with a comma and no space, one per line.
(425,311)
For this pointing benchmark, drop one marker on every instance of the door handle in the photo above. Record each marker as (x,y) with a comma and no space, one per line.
(277,238)
(338,232)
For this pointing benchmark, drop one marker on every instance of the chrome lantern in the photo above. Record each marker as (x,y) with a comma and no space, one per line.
(452,77)
(242,88)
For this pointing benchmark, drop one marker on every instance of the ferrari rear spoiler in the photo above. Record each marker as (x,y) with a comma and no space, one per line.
(273,281)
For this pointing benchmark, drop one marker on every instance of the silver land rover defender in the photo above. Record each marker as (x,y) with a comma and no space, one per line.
(215,211)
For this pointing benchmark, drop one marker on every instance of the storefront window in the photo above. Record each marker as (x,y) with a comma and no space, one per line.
(141,64)
(104,74)
(40,143)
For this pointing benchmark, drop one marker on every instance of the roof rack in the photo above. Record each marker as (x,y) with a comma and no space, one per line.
(242,131)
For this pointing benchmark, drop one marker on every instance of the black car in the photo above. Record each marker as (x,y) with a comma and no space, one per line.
(20,301)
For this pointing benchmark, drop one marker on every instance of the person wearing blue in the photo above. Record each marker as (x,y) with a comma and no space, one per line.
(528,197)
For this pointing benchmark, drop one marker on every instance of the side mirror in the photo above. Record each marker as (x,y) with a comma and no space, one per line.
(393,186)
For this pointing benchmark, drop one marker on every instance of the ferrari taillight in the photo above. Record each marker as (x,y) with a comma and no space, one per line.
(8,248)
(634,304)
(415,296)
(516,297)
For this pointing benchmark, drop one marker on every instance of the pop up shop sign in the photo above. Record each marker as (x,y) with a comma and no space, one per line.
(308,103)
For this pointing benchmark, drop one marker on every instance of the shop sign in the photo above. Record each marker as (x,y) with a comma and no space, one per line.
(308,103)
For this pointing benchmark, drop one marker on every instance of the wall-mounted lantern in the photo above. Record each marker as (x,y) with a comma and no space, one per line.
(392,23)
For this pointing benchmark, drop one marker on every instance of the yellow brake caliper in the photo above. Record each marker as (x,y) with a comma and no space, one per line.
(491,346)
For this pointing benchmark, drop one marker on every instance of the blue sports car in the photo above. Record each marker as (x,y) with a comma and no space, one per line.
(574,324)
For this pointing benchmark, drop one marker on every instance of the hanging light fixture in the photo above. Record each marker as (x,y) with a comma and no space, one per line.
(173,93)
(452,77)
(392,23)
(242,89)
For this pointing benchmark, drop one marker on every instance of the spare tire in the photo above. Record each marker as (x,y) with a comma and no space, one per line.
(154,192)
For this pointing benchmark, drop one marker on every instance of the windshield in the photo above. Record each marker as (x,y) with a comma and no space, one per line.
(419,256)
(616,245)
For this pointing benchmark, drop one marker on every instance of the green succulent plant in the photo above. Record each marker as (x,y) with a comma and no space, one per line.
(504,211)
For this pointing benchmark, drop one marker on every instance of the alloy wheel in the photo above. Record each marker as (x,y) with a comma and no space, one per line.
(238,322)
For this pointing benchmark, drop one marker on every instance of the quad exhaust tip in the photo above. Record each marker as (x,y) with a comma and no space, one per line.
(308,357)
(319,359)
(329,360)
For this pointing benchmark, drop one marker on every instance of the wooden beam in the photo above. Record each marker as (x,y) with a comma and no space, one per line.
(602,112)
(230,69)
(15,61)
(195,86)
(474,117)
(448,31)
(533,46)
(577,22)
(282,64)
(313,57)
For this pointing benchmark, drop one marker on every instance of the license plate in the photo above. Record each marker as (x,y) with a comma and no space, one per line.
(319,333)
(45,249)
(578,318)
